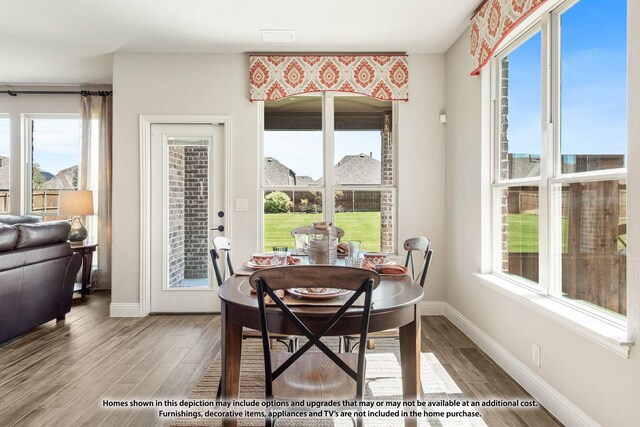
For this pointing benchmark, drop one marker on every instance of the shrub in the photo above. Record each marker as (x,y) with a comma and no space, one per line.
(277,202)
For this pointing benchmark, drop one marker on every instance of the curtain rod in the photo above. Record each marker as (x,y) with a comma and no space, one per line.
(54,92)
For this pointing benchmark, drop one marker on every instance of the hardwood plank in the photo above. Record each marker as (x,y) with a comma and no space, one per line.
(59,373)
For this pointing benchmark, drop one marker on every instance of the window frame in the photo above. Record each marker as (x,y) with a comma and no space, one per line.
(328,188)
(26,171)
(551,176)
(7,116)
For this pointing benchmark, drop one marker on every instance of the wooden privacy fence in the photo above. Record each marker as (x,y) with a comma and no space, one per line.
(600,279)
(45,201)
(345,200)
(4,201)
(594,260)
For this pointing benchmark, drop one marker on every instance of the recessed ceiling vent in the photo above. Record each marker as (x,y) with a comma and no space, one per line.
(278,36)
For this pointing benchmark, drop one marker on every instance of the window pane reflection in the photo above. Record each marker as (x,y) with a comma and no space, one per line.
(594,243)
(519,231)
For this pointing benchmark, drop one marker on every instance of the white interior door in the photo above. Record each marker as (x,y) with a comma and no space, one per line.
(187,207)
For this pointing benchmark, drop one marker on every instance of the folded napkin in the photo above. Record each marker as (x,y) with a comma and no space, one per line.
(386,269)
(391,269)
(293,261)
(267,299)
(343,248)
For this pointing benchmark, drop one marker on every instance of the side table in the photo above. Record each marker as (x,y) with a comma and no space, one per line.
(86,250)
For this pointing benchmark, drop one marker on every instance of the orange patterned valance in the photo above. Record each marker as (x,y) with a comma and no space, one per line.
(493,20)
(272,77)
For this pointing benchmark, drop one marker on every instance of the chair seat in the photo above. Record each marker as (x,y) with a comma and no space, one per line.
(314,377)
(252,333)
(387,333)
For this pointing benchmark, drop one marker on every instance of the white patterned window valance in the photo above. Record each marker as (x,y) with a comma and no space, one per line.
(491,23)
(272,77)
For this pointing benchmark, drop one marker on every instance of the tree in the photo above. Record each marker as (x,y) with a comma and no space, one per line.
(37,179)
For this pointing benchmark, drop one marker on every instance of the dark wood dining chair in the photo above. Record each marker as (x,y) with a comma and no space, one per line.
(319,375)
(221,254)
(415,245)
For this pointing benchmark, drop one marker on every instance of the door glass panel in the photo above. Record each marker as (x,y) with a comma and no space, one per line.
(187,214)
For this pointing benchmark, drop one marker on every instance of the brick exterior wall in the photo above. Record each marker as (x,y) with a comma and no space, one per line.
(176,215)
(386,197)
(196,212)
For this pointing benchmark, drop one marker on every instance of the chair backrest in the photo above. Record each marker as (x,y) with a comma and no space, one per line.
(359,280)
(421,245)
(221,250)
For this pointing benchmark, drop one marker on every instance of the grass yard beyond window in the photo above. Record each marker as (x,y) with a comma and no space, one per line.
(363,226)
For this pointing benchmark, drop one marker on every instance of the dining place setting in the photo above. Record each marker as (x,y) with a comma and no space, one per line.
(321,287)
(346,254)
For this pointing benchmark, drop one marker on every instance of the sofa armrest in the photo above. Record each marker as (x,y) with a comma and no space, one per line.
(75,262)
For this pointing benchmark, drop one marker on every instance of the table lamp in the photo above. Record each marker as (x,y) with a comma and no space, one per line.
(76,203)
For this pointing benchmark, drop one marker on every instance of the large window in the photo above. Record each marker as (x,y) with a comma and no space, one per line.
(5,175)
(55,144)
(559,182)
(354,187)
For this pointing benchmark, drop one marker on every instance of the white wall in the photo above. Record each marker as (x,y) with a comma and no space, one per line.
(218,84)
(602,384)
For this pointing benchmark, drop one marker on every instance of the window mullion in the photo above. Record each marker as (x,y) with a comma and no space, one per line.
(545,236)
(328,135)
(554,196)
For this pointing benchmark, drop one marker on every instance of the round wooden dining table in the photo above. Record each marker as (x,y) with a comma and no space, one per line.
(395,304)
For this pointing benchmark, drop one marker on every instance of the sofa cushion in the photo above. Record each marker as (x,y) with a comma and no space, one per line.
(43,233)
(8,237)
(19,219)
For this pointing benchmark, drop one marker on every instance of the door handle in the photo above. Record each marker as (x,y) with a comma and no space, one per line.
(219,228)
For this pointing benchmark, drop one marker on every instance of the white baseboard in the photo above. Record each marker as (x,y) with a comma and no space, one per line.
(124,310)
(563,409)
(432,308)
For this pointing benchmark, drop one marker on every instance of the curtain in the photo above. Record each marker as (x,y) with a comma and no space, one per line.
(100,182)
(104,192)
(382,76)
(84,171)
(491,23)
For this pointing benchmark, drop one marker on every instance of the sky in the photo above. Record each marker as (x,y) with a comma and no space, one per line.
(56,142)
(301,151)
(593,76)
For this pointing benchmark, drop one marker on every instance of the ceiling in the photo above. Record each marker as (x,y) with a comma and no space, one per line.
(71,41)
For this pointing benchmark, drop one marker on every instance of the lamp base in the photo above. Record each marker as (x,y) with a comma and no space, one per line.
(77,233)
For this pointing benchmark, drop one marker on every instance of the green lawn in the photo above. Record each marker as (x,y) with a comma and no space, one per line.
(523,233)
(363,226)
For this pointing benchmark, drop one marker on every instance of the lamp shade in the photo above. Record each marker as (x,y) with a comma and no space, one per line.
(78,202)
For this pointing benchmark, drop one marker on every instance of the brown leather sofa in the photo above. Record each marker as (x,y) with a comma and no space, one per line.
(37,274)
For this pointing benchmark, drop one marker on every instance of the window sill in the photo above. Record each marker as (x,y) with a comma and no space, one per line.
(611,336)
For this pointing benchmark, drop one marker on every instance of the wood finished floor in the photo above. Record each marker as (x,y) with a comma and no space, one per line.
(59,373)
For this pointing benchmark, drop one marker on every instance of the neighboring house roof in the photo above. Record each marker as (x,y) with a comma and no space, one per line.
(358,169)
(275,173)
(4,173)
(66,179)
(305,180)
